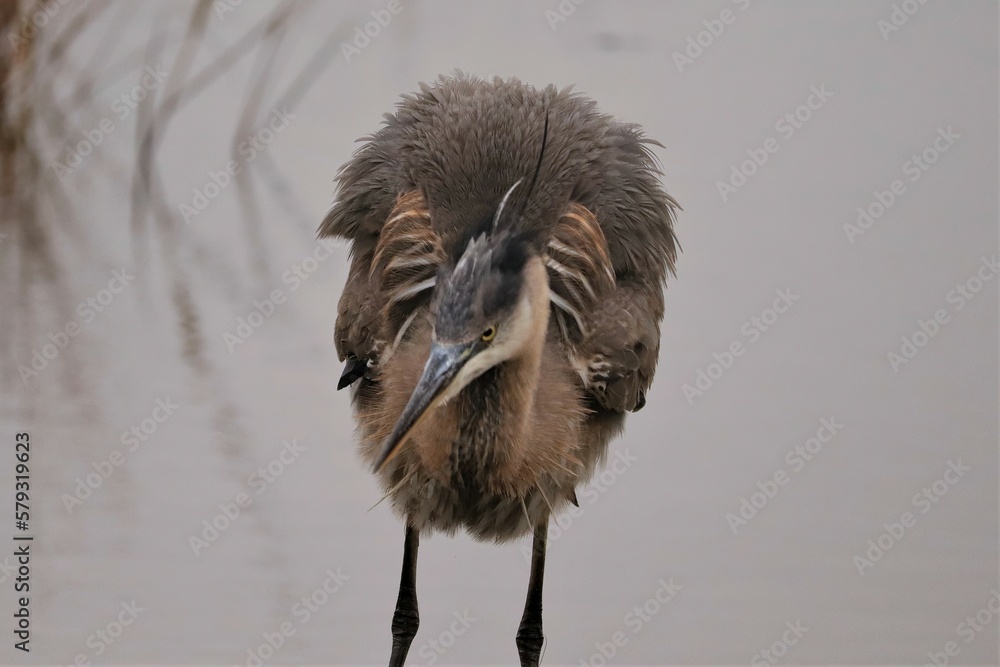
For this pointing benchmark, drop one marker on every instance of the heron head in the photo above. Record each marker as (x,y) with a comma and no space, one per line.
(490,305)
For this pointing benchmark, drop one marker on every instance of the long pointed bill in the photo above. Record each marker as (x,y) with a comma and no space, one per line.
(443,365)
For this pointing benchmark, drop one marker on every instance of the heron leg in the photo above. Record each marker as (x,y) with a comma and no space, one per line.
(529,633)
(405,620)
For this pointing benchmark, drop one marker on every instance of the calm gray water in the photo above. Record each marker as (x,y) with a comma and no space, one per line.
(828,495)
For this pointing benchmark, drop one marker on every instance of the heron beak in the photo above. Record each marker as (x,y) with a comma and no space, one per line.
(443,366)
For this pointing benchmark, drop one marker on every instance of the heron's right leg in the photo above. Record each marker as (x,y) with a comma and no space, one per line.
(529,634)
(406,619)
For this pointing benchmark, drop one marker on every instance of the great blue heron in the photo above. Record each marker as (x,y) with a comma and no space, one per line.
(502,311)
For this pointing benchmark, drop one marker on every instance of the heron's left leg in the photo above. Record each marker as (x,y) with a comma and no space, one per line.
(529,633)
(406,619)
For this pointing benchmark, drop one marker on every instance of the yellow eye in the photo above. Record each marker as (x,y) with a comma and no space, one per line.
(489,334)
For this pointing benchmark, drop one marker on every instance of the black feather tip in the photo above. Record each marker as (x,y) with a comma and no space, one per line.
(353,370)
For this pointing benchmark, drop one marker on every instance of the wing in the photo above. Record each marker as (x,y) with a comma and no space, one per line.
(609,322)
(406,260)
(358,334)
(387,287)
(580,271)
(625,199)
(618,359)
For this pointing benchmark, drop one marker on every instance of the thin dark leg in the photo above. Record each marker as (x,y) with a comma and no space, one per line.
(406,619)
(529,633)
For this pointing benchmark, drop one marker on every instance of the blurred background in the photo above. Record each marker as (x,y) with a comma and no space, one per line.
(828,494)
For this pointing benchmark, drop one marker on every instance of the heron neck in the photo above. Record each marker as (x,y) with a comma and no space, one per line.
(498,407)
(493,414)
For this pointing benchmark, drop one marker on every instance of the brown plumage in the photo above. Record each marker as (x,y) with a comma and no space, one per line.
(509,249)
